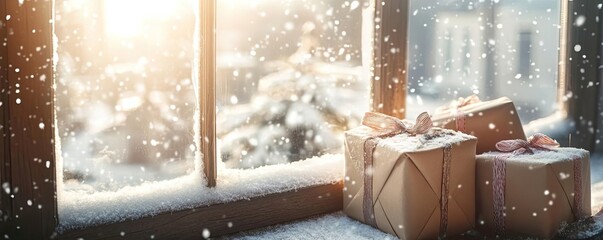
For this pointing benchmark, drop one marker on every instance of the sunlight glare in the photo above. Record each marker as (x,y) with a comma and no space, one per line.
(127,17)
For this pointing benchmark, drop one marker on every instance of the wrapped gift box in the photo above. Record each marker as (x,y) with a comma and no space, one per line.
(406,180)
(490,121)
(542,191)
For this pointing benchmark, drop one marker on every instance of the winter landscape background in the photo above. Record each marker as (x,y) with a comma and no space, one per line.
(291,77)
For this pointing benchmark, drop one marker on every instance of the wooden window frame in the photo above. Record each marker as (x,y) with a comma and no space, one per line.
(207,91)
(584,105)
(26,147)
(579,77)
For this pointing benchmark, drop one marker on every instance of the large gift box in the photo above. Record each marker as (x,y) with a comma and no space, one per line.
(415,183)
(490,121)
(532,188)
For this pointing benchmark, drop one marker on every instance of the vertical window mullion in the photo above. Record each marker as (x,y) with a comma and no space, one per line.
(207,91)
(5,200)
(31,118)
(581,61)
(389,80)
(598,147)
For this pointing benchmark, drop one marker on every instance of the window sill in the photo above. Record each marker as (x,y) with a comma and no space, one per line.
(188,194)
(225,218)
(558,126)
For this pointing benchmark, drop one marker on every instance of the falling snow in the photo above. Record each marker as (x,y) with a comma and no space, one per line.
(289,83)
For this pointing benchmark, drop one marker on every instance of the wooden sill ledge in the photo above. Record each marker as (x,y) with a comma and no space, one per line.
(225,218)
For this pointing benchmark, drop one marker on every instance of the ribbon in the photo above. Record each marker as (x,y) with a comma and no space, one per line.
(388,126)
(538,141)
(520,146)
(498,192)
(445,190)
(460,115)
(578,201)
(392,126)
(367,198)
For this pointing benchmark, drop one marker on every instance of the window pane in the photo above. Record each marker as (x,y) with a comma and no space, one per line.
(488,48)
(125,101)
(290,79)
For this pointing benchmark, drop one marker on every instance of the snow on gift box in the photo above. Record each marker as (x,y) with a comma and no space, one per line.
(490,121)
(396,177)
(532,187)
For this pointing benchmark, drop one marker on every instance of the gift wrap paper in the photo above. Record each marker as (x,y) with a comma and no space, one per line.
(407,182)
(490,121)
(539,191)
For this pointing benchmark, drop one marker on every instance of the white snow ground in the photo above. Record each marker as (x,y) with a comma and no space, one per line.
(331,226)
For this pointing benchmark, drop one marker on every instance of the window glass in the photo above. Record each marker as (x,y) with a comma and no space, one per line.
(125,101)
(289,77)
(489,48)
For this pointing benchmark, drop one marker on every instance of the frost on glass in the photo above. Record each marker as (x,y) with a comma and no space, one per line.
(289,79)
(489,48)
(125,101)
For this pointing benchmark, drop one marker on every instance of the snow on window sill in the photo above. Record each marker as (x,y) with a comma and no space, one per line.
(78,210)
(556,124)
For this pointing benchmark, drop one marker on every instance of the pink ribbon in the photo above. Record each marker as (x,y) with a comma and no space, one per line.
(538,141)
(445,190)
(393,126)
(389,126)
(498,192)
(460,115)
(519,146)
(578,200)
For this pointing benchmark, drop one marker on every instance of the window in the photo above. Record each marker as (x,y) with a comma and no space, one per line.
(27,114)
(125,114)
(288,83)
(125,118)
(491,49)
(128,118)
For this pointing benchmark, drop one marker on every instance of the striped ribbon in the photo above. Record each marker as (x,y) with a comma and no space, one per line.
(367,198)
(445,190)
(460,120)
(498,191)
(578,201)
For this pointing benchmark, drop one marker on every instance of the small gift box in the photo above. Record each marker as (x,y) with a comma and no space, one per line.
(415,183)
(490,121)
(532,187)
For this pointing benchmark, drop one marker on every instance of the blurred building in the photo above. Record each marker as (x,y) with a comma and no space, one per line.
(453,41)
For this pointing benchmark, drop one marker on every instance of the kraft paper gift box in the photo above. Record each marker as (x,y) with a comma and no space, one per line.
(523,193)
(395,179)
(490,121)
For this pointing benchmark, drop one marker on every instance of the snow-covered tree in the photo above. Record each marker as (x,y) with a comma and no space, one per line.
(299,110)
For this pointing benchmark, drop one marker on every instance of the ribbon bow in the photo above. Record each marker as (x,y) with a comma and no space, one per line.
(519,146)
(394,125)
(460,102)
